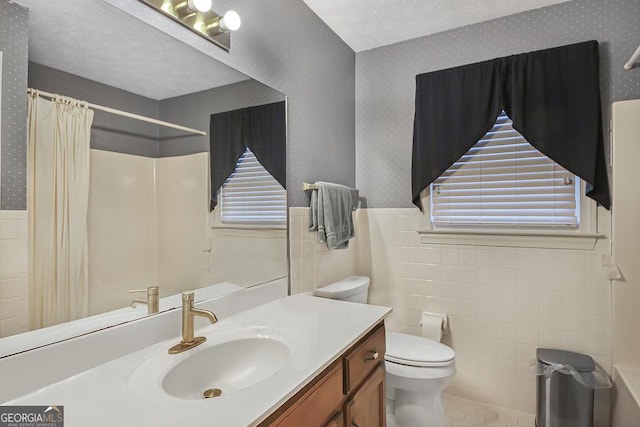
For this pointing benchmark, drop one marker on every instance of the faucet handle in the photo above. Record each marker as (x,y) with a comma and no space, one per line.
(151,290)
(188,298)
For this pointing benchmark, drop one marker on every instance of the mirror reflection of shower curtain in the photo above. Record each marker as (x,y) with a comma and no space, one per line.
(58,196)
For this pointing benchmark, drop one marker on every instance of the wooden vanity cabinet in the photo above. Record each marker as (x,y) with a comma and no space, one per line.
(349,393)
(337,421)
(367,406)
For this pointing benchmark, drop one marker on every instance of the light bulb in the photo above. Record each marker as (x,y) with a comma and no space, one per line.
(200,5)
(230,21)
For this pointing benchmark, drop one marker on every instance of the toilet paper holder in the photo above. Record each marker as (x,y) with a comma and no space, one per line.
(445,320)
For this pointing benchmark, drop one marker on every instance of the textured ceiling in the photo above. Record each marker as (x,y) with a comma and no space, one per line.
(94,40)
(367,24)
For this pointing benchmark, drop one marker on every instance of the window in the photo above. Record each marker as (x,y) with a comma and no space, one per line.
(504,192)
(503,181)
(251,196)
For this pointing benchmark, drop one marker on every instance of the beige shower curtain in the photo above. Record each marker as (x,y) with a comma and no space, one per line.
(58,197)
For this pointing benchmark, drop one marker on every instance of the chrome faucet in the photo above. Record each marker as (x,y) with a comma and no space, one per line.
(188,313)
(152,301)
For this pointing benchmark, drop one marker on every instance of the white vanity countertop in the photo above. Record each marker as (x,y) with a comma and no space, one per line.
(318,330)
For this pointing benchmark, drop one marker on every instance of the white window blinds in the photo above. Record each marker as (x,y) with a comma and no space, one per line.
(503,180)
(252,196)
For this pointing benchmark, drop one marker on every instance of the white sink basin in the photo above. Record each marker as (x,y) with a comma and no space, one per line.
(229,367)
(230,360)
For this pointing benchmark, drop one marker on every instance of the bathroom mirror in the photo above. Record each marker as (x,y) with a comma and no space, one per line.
(148,222)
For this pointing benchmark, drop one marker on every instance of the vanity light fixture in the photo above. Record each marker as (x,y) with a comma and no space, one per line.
(199,5)
(229,22)
(199,18)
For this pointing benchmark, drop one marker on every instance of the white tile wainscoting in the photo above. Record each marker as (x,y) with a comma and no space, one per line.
(502,302)
(312,265)
(14,284)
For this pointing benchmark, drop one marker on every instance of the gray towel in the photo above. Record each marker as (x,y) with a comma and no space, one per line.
(330,216)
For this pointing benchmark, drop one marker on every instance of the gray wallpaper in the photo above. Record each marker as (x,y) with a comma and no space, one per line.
(193,110)
(13,44)
(385,78)
(108,132)
(284,45)
(114,133)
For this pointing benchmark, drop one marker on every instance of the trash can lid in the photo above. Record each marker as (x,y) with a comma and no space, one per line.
(581,362)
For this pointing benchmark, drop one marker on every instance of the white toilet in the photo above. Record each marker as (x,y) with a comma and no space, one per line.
(418,369)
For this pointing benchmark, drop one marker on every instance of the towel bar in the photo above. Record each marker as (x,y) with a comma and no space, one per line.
(634,58)
(306,186)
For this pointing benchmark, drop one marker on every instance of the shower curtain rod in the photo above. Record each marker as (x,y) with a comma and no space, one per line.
(126,114)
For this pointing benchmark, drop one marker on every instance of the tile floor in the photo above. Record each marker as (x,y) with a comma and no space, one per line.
(466,413)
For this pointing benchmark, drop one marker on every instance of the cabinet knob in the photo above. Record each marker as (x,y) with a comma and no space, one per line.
(353,424)
(373,355)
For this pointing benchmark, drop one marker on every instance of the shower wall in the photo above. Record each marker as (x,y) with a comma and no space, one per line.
(147,226)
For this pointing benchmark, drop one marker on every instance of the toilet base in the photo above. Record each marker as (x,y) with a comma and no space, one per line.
(411,409)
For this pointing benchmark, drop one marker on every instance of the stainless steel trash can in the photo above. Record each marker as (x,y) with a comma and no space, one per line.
(562,400)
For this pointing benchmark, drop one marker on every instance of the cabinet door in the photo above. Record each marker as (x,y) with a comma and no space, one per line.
(337,421)
(318,403)
(367,406)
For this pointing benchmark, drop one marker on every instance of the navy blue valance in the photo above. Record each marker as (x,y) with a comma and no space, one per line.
(552,96)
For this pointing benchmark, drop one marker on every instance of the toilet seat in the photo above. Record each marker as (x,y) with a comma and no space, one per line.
(420,352)
(416,374)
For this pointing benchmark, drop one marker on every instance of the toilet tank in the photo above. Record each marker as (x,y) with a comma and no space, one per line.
(352,288)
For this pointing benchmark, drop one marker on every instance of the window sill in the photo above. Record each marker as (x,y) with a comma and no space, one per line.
(520,239)
(250,232)
(247,227)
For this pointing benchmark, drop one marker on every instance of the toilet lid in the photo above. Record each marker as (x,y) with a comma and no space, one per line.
(417,351)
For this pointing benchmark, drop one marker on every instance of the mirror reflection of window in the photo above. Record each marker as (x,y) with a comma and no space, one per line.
(251,196)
